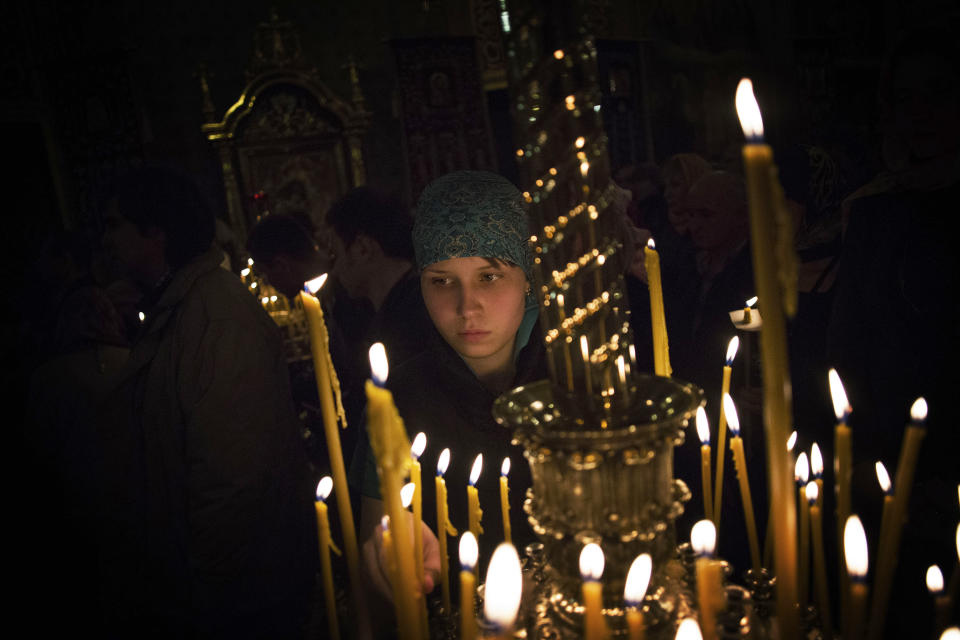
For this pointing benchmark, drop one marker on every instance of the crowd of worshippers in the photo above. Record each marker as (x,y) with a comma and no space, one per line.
(185,462)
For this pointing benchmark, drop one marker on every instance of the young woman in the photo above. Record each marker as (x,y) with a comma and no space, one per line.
(470,236)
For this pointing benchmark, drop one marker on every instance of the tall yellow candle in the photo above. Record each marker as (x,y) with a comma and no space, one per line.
(801,474)
(407,497)
(884,479)
(710,596)
(774,286)
(740,464)
(634,591)
(941,602)
(390,556)
(474,513)
(812,495)
(843,465)
(889,547)
(857,562)
(328,387)
(326,544)
(390,445)
(591,569)
(468,584)
(658,322)
(503,590)
(416,450)
(703,432)
(816,470)
(732,347)
(504,498)
(444,527)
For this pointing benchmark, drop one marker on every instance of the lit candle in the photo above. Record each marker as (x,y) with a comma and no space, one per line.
(703,538)
(326,544)
(703,431)
(468,583)
(857,561)
(407,496)
(843,461)
(661,349)
(801,474)
(688,630)
(638,579)
(772,258)
(889,546)
(591,569)
(474,513)
(444,527)
(747,313)
(816,470)
(503,590)
(732,347)
(768,539)
(328,389)
(885,485)
(504,502)
(740,464)
(416,450)
(390,445)
(940,600)
(585,355)
(812,495)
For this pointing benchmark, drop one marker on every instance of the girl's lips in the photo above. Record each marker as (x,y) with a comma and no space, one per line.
(474,335)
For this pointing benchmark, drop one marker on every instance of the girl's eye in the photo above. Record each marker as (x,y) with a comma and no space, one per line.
(490,277)
(439,281)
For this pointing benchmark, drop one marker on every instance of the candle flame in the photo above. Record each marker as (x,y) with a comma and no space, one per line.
(703,428)
(883,477)
(953,633)
(418,446)
(638,579)
(379,366)
(406,494)
(812,492)
(558,54)
(841,406)
(141,315)
(314,285)
(855,548)
(443,462)
(792,441)
(584,349)
(249,262)
(730,412)
(504,587)
(752,301)
(651,244)
(476,469)
(468,551)
(689,629)
(264,300)
(732,347)
(801,470)
(958,542)
(816,460)
(385,523)
(253,286)
(918,411)
(591,561)
(748,110)
(324,487)
(703,538)
(245,272)
(584,169)
(505,467)
(934,579)
(580,142)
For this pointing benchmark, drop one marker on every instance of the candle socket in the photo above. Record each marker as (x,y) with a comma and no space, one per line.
(761,586)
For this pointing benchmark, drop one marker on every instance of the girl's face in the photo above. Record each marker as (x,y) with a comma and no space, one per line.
(477,305)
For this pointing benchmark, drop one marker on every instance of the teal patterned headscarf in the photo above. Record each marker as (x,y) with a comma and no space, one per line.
(468,214)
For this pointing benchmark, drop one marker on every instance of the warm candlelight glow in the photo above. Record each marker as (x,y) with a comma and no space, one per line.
(324,487)
(584,169)
(752,301)
(703,428)
(591,562)
(468,551)
(816,461)
(855,548)
(264,300)
(443,461)
(651,243)
(378,363)
(245,272)
(918,411)
(934,580)
(958,542)
(584,349)
(730,411)
(748,110)
(801,470)
(385,523)
(249,262)
(558,54)
(273,298)
(580,142)
(638,579)
(812,492)
(141,315)
(841,406)
(312,286)
(504,587)
(419,445)
(792,441)
(406,494)
(505,467)
(953,633)
(689,629)
(475,470)
(732,347)
(883,478)
(703,538)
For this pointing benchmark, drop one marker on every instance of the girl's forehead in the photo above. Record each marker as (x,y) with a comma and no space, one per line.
(467,264)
